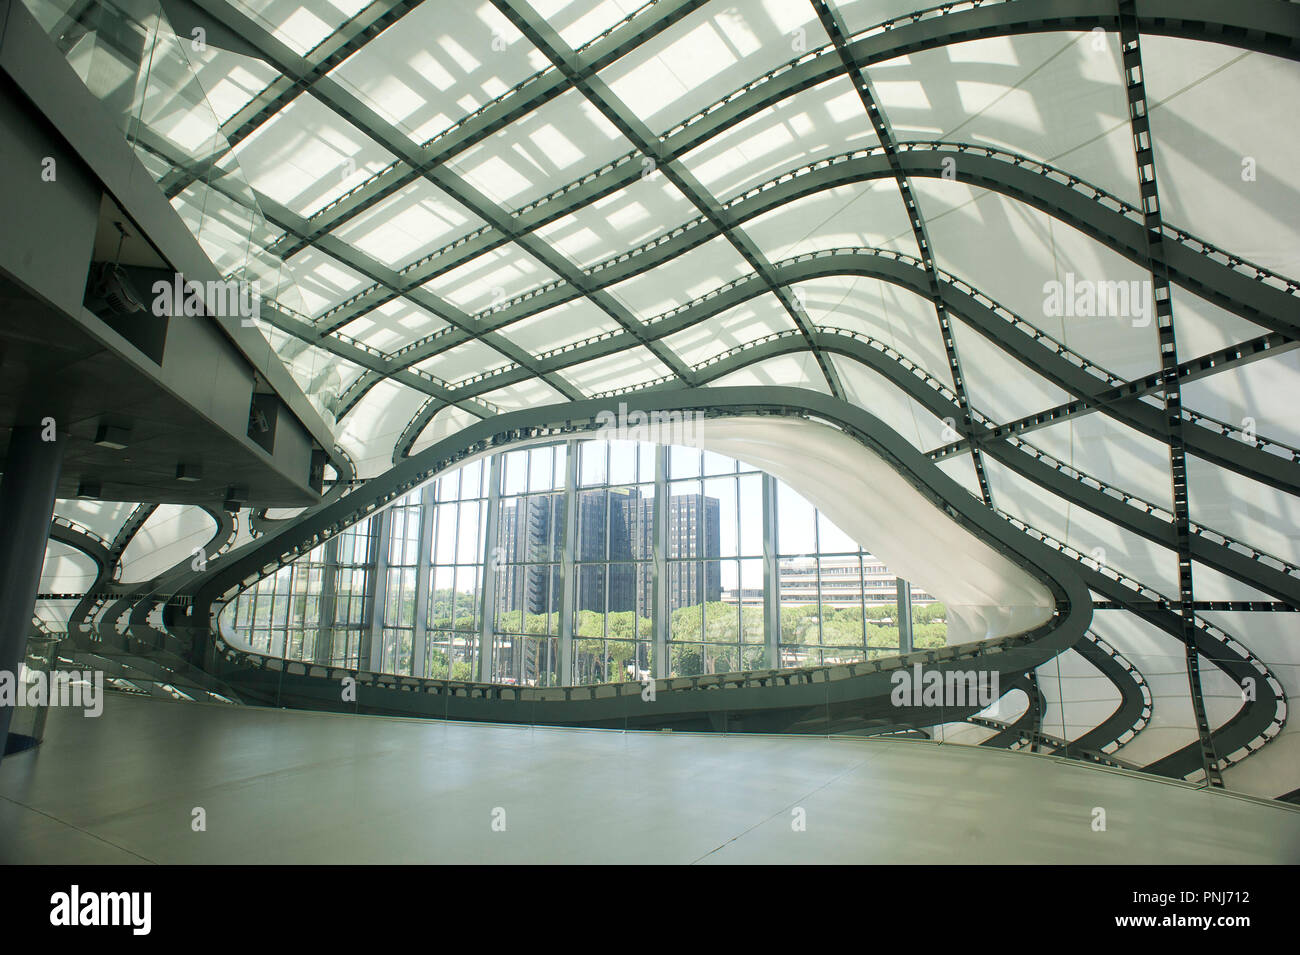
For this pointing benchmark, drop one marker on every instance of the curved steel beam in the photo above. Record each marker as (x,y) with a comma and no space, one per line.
(1017,653)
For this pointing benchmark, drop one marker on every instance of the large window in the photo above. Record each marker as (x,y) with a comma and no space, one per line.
(456,591)
(402,565)
(315,609)
(587,561)
(613,600)
(526,558)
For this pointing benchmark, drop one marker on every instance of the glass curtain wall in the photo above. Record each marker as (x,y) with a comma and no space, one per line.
(590,559)
(403,563)
(316,609)
(613,599)
(526,559)
(456,592)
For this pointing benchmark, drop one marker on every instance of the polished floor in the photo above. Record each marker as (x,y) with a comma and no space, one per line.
(287,786)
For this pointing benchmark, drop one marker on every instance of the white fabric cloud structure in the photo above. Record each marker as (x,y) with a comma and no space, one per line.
(1053,246)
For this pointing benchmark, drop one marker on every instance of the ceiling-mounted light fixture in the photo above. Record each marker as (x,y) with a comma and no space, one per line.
(112,436)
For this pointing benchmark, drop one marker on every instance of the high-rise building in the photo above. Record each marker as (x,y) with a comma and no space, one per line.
(615,539)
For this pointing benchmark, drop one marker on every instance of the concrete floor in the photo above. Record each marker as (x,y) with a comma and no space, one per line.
(290,786)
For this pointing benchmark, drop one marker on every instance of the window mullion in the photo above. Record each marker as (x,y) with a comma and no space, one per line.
(487,617)
(568,568)
(370,654)
(771,574)
(904,590)
(659,575)
(423,580)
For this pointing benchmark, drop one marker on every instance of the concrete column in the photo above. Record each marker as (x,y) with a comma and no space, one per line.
(27,494)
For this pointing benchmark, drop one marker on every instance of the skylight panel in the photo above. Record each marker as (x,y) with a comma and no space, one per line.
(736,327)
(1032,265)
(889,314)
(306,156)
(525,394)
(870,214)
(393,325)
(626,369)
(408,225)
(580,21)
(706,56)
(825,121)
(464,361)
(423,86)
(490,280)
(230,80)
(540,152)
(859,15)
(678,281)
(302,24)
(620,221)
(375,424)
(324,281)
(790,371)
(559,326)
(1057,97)
(1229,182)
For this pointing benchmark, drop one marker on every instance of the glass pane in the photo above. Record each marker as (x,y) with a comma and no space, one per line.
(449,486)
(718,463)
(646,461)
(796,523)
(722,538)
(831,539)
(622,462)
(750,522)
(515,472)
(471,479)
(683,462)
(540,473)
(591,464)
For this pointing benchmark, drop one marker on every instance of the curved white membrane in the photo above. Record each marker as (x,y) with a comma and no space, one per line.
(1275,769)
(986,594)
(792,371)
(170,536)
(1230,181)
(374,425)
(1076,696)
(1007,708)
(66,569)
(1162,660)
(102,518)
